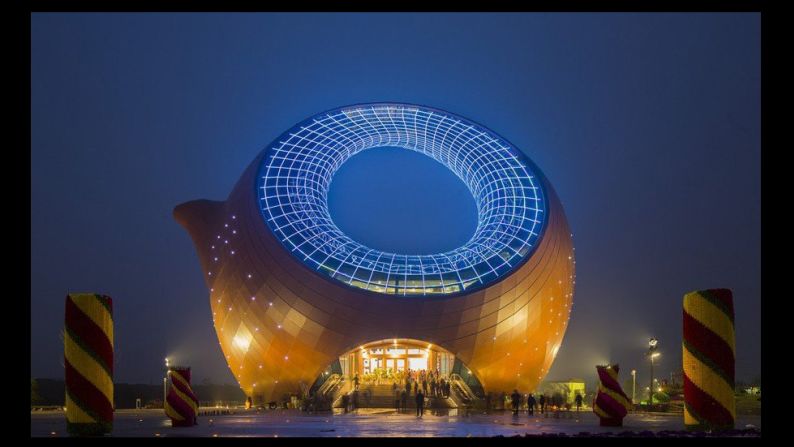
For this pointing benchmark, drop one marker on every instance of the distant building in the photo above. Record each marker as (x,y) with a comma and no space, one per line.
(754,390)
(568,388)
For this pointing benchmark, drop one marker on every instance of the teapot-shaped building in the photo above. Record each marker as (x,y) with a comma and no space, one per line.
(292,295)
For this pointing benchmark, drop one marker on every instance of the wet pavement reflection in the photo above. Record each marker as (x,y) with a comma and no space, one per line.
(367,423)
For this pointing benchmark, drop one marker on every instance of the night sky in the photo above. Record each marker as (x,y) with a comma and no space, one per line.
(647,125)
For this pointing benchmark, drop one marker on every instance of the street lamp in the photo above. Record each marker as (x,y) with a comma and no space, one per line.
(633,385)
(652,345)
(165,382)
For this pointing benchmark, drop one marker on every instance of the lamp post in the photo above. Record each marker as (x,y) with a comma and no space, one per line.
(652,345)
(165,382)
(633,385)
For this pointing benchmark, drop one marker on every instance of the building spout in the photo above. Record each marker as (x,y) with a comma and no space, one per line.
(200,218)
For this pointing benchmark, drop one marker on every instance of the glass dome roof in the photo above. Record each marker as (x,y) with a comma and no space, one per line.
(296,172)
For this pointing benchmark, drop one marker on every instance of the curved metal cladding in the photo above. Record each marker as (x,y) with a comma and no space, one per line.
(280,323)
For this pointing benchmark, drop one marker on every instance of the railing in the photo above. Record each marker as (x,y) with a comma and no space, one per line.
(329,384)
(46,408)
(304,389)
(343,387)
(464,396)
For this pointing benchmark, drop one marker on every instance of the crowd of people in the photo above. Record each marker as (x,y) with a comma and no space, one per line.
(543,403)
(431,382)
(414,384)
(421,385)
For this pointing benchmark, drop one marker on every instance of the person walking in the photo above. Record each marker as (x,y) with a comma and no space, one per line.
(408,386)
(355,382)
(531,404)
(543,404)
(515,399)
(420,403)
(404,400)
(396,399)
(578,402)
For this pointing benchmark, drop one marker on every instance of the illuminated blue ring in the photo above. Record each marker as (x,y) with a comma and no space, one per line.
(296,172)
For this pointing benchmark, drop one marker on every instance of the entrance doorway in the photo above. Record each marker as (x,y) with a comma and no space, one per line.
(379,365)
(395,357)
(385,361)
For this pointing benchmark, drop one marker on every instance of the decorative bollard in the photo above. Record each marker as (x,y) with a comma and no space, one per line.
(709,349)
(611,403)
(88,364)
(181,404)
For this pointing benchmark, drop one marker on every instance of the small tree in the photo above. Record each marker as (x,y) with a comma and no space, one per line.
(35,397)
(661,397)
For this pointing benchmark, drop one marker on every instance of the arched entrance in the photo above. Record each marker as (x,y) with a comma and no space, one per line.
(383,363)
(391,359)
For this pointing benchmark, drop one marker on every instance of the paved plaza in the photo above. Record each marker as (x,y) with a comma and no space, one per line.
(366,423)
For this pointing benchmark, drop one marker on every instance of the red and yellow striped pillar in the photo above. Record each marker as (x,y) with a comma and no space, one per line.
(709,349)
(611,403)
(181,404)
(88,364)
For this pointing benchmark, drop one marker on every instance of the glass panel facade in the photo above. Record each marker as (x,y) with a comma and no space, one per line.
(417,363)
(296,173)
(471,380)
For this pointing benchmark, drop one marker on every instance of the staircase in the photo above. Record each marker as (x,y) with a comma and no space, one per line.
(376,396)
(382,396)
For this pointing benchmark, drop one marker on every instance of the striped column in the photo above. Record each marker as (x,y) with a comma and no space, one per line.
(181,404)
(611,403)
(709,360)
(88,364)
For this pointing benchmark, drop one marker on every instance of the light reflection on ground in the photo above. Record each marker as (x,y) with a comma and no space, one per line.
(364,423)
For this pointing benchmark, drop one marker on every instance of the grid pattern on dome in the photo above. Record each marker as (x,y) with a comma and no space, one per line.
(296,172)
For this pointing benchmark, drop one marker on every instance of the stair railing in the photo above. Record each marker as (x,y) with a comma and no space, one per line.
(463,388)
(342,388)
(329,384)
